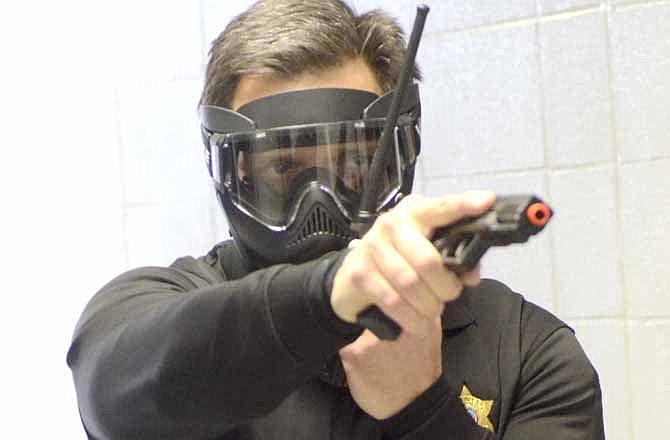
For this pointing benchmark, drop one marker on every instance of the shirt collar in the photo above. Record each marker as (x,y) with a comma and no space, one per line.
(457,315)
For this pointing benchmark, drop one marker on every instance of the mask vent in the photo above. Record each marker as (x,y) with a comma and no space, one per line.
(320,224)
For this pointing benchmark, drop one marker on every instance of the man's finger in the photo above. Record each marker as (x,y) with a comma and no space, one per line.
(405,280)
(431,213)
(427,261)
(472,277)
(358,284)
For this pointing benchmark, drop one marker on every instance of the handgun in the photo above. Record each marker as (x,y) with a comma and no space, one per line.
(511,219)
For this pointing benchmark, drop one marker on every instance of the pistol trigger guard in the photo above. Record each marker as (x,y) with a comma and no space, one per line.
(450,249)
(467,254)
(455,252)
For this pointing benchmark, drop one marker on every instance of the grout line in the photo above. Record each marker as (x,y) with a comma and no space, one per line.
(663,320)
(122,180)
(513,172)
(625,163)
(589,166)
(594,318)
(519,22)
(517,172)
(637,4)
(618,221)
(553,278)
(570,13)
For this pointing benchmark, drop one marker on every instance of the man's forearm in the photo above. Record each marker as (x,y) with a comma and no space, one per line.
(154,359)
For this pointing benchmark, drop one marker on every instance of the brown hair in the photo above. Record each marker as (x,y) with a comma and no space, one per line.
(285,38)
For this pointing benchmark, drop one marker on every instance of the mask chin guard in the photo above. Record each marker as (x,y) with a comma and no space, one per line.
(319,227)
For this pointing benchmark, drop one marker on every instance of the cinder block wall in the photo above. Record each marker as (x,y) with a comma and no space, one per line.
(568,99)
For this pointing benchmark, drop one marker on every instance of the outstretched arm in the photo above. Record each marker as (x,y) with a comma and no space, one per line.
(162,353)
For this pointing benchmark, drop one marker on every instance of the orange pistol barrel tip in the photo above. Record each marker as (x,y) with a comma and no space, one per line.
(539,214)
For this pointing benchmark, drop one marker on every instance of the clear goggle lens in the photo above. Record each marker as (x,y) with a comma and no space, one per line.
(270,170)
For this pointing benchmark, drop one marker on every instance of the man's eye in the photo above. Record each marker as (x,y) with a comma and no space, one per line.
(359,157)
(277,167)
(283,166)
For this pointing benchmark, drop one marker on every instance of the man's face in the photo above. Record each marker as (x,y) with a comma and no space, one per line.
(278,168)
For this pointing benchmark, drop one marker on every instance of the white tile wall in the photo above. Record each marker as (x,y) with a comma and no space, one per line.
(554,6)
(576,89)
(153,39)
(163,155)
(649,359)
(604,341)
(645,211)
(187,226)
(448,15)
(61,241)
(585,243)
(79,198)
(159,234)
(640,45)
(143,225)
(482,102)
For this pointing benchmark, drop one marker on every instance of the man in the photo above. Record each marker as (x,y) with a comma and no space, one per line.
(258,339)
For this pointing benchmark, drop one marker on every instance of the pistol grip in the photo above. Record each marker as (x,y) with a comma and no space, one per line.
(378,323)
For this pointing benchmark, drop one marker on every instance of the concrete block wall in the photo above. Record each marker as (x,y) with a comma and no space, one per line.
(568,99)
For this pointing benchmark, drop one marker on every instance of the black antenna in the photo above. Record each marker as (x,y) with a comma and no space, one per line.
(375,175)
(373,318)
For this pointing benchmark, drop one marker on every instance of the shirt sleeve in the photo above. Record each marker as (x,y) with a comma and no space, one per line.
(437,414)
(166,353)
(559,394)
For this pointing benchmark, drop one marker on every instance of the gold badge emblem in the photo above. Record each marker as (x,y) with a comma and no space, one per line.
(477,408)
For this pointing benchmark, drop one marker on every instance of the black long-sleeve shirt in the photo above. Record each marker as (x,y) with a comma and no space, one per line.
(204,350)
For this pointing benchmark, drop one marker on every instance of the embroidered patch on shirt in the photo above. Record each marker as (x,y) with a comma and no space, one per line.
(477,408)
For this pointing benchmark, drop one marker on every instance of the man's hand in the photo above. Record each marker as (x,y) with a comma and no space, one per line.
(385,376)
(395,267)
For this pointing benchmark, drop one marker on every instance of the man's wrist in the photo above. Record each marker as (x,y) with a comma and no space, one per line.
(414,414)
(301,316)
(321,291)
